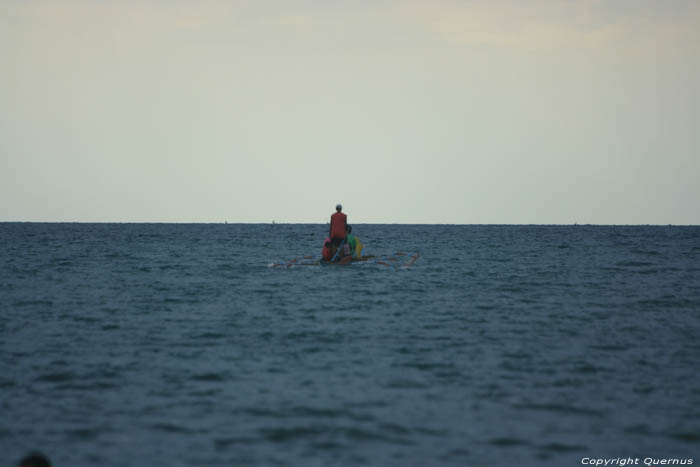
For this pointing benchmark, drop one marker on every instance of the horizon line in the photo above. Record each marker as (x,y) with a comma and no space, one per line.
(575,224)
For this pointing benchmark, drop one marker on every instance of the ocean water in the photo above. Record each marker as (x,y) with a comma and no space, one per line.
(177,345)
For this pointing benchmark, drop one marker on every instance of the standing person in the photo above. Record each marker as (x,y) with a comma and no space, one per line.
(339,226)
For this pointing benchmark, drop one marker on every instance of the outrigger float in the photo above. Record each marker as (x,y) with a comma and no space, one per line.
(395,260)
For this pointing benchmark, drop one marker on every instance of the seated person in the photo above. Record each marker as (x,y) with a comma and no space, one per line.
(354,242)
(328,250)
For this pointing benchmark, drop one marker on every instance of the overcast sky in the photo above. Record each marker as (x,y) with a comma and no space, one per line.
(409,112)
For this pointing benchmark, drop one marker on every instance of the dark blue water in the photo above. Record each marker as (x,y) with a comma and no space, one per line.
(139,344)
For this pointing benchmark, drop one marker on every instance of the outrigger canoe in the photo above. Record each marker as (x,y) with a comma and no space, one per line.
(395,260)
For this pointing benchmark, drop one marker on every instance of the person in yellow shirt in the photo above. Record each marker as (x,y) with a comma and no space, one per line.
(355,245)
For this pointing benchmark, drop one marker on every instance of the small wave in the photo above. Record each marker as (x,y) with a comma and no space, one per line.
(86,386)
(639,251)
(360,434)
(644,389)
(687,436)
(507,442)
(117,254)
(561,408)
(405,384)
(57,377)
(213,377)
(327,445)
(85,319)
(23,303)
(429,366)
(173,428)
(517,367)
(222,443)
(305,411)
(634,264)
(517,355)
(640,429)
(7,383)
(649,271)
(562,447)
(568,382)
(430,431)
(210,335)
(316,337)
(610,347)
(206,393)
(87,433)
(286,434)
(278,435)
(668,301)
(454,453)
(587,368)
(394,428)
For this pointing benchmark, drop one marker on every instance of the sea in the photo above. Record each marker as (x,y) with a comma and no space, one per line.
(179,345)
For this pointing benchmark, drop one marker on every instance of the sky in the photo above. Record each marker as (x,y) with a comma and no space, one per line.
(433,111)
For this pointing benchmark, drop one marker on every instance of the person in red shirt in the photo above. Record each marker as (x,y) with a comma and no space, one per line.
(339,226)
(327,252)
